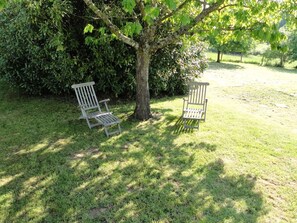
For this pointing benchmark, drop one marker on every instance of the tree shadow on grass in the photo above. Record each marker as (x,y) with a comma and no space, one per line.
(282,70)
(180,128)
(227,66)
(64,172)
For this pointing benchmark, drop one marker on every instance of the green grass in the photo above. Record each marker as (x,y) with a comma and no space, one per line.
(237,168)
(236,58)
(248,59)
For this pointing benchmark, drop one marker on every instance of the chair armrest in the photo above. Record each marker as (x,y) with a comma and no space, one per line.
(105,103)
(185,99)
(81,106)
(105,100)
(103,114)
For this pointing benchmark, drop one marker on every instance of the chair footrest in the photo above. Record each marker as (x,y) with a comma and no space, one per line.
(114,132)
(107,119)
(193,114)
(95,124)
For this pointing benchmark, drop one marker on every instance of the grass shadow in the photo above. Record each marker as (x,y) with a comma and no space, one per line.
(282,70)
(179,125)
(227,66)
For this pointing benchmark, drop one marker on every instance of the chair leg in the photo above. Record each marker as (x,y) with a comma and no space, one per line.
(88,122)
(119,127)
(204,116)
(106,131)
(111,133)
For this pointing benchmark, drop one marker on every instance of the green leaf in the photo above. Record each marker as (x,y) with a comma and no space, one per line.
(129,5)
(102,30)
(132,28)
(171,4)
(151,13)
(88,29)
(127,30)
(185,19)
(137,27)
(60,48)
(89,40)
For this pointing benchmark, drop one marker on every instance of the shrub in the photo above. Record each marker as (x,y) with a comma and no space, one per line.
(32,46)
(43,50)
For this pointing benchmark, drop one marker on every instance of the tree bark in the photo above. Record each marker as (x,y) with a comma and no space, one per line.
(282,60)
(219,57)
(142,110)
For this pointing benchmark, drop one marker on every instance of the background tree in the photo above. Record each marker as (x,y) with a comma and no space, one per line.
(292,46)
(230,43)
(279,53)
(150,25)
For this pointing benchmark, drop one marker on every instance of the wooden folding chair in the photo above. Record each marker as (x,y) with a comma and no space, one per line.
(90,108)
(195,105)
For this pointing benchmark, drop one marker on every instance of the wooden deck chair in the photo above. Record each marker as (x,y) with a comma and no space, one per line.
(195,105)
(91,110)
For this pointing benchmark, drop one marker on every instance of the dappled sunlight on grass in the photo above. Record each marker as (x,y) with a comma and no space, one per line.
(8,179)
(54,169)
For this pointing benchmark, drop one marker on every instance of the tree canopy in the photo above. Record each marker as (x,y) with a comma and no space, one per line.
(150,25)
(44,50)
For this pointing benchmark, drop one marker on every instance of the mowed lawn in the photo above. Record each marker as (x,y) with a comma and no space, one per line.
(241,166)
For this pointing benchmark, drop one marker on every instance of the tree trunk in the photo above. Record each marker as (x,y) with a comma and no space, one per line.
(262,61)
(241,57)
(219,57)
(142,110)
(282,60)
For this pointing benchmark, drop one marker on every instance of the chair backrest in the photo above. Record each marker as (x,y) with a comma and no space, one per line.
(86,96)
(197,93)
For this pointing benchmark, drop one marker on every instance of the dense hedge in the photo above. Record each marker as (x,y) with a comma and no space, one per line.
(43,50)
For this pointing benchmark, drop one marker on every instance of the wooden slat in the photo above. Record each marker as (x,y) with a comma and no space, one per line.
(197,93)
(200,94)
(83,84)
(91,95)
(108,119)
(78,97)
(193,114)
(82,93)
(86,97)
(201,98)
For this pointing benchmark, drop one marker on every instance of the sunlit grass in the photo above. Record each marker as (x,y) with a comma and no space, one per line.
(237,168)
(253,59)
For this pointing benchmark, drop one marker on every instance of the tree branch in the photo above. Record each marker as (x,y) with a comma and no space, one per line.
(204,3)
(186,29)
(230,5)
(228,29)
(140,5)
(181,6)
(113,28)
